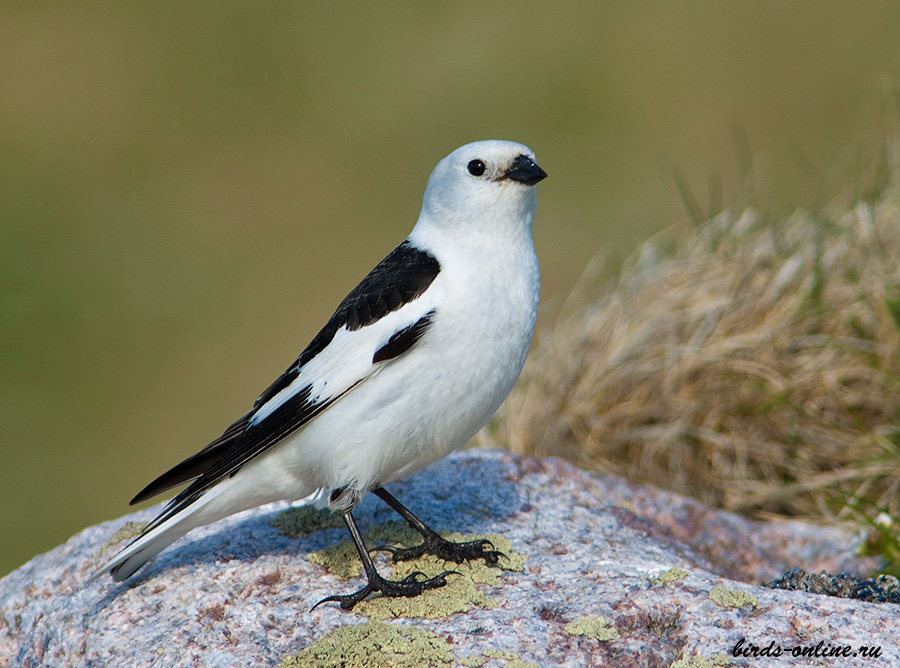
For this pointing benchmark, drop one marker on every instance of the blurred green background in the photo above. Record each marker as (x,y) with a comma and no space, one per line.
(188,189)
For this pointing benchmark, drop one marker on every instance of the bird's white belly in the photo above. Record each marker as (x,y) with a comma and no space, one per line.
(413,411)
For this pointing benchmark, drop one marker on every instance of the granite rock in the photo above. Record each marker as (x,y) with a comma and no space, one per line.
(601,572)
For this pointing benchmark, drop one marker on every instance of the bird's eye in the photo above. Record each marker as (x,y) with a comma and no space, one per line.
(476,168)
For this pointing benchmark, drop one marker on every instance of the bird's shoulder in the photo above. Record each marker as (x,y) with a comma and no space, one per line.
(398,279)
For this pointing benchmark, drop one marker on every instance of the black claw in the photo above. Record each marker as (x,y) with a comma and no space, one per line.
(408,587)
(347,601)
(407,553)
(493,556)
(449,551)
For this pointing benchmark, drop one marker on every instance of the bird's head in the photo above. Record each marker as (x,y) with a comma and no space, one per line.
(485,183)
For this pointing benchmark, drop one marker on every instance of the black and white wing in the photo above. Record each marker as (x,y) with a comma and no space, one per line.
(382,318)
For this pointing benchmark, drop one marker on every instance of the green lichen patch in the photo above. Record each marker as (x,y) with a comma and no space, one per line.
(127,531)
(514,561)
(512,661)
(460,592)
(519,663)
(377,645)
(341,560)
(396,533)
(458,595)
(592,627)
(401,534)
(509,659)
(300,521)
(671,575)
(732,598)
(698,661)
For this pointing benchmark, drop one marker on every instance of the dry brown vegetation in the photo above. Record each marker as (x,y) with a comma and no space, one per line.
(754,365)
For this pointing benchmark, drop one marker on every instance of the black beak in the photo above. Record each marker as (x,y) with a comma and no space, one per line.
(525,170)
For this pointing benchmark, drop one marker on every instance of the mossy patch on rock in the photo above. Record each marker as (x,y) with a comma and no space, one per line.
(458,595)
(300,521)
(881,589)
(341,560)
(732,598)
(671,575)
(399,533)
(375,644)
(592,627)
(127,531)
(702,662)
(512,661)
(381,645)
(509,658)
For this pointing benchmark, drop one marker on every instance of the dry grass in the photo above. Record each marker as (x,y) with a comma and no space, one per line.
(754,365)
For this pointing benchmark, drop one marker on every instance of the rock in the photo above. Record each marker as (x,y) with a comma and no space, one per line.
(601,572)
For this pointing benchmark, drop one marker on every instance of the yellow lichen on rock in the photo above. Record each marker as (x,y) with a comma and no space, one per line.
(300,521)
(374,645)
(458,595)
(592,627)
(671,575)
(732,598)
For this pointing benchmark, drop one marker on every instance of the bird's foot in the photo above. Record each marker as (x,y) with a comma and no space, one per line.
(408,586)
(448,550)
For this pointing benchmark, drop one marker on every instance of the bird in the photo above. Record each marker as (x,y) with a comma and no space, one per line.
(413,362)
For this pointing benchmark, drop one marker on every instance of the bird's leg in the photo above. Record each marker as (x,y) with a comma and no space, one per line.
(408,586)
(433,543)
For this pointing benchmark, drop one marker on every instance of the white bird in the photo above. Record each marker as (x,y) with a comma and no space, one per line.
(414,361)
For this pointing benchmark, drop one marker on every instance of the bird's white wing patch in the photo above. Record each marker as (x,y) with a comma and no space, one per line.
(347,360)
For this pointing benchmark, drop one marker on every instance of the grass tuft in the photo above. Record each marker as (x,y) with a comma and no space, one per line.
(753,364)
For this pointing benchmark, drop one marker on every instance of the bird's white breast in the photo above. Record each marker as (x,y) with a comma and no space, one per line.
(421,406)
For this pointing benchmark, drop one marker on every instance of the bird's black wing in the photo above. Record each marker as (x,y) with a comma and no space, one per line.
(397,280)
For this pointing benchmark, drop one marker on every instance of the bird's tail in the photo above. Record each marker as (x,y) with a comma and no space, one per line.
(157,537)
(215,503)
